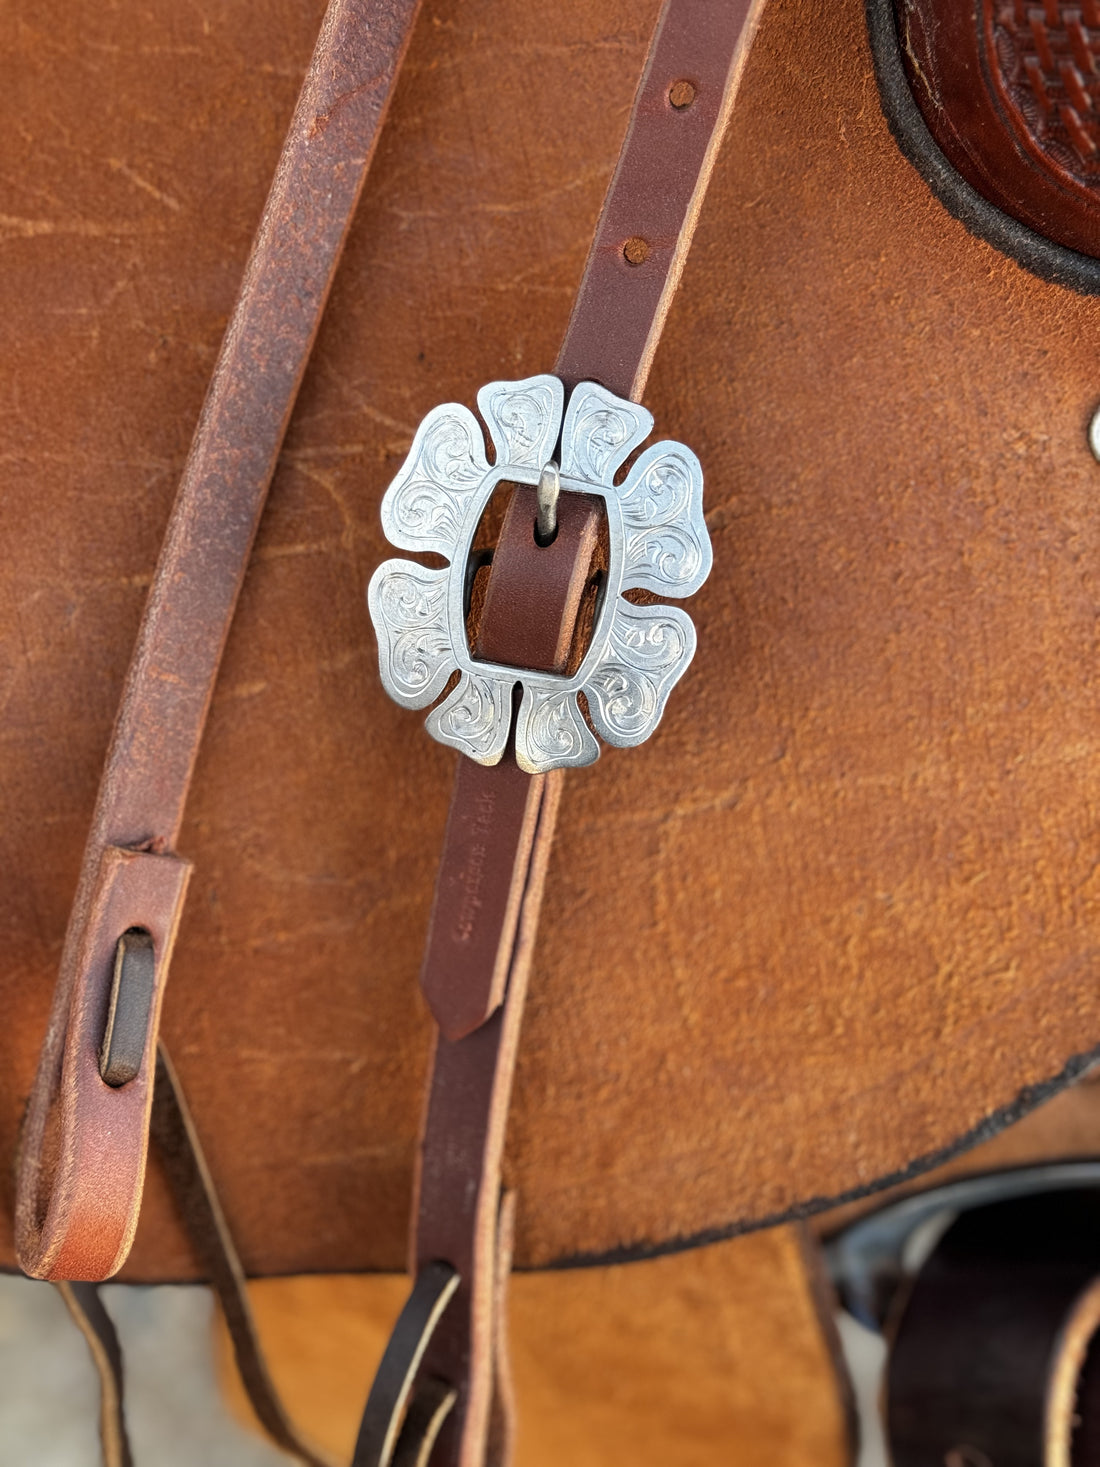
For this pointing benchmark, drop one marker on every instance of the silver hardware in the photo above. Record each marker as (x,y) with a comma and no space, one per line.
(549,487)
(658,542)
(1094,434)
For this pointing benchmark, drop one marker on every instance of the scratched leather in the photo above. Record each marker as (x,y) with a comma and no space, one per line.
(841,909)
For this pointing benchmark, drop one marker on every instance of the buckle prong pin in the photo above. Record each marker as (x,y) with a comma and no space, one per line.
(546,519)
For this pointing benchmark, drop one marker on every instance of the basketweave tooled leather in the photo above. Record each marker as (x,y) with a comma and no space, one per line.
(864,837)
(1010,91)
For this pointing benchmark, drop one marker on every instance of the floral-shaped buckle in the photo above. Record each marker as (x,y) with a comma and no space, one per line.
(658,542)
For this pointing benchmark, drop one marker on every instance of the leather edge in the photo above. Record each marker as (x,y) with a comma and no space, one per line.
(1034,252)
(1025,1101)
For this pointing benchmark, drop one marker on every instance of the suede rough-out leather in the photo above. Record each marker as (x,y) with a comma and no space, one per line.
(841,910)
(714,1355)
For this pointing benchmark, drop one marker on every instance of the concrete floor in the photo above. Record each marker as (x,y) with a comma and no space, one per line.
(49,1397)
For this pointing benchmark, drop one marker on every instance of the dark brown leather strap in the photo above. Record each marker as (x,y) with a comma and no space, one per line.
(991,1354)
(512,815)
(96,1325)
(482,926)
(489,887)
(680,113)
(530,612)
(395,1421)
(84,1143)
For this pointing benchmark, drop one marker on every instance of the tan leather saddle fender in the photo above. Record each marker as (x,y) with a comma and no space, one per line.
(837,918)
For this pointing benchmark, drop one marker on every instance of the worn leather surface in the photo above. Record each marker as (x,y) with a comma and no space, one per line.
(76,1209)
(841,909)
(1066,1126)
(63,1166)
(712,1356)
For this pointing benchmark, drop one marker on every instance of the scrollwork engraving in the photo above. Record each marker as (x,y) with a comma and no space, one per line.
(650,649)
(409,605)
(667,545)
(475,718)
(600,433)
(550,732)
(657,540)
(425,506)
(523,419)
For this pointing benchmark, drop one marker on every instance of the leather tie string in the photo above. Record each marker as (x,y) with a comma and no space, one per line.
(478,954)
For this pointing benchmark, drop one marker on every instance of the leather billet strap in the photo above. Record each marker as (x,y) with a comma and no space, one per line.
(458,1191)
(531,608)
(500,828)
(84,1144)
(680,113)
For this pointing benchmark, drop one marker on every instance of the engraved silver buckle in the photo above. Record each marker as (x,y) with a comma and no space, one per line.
(658,542)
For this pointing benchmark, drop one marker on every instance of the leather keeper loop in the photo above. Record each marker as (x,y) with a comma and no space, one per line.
(84,1143)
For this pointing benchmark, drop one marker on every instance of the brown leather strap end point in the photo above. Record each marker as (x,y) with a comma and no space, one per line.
(82,1159)
(489,833)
